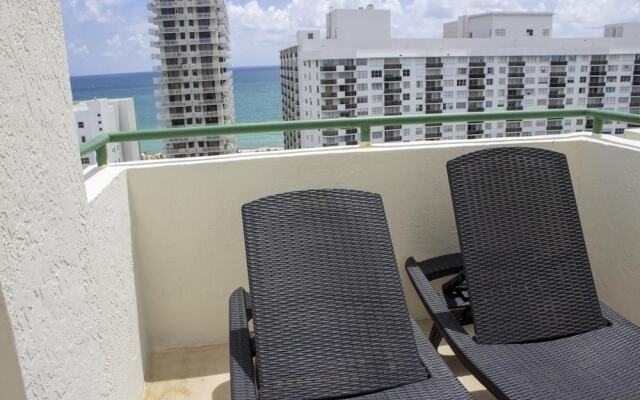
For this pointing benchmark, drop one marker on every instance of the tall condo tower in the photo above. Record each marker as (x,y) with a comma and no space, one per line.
(195,86)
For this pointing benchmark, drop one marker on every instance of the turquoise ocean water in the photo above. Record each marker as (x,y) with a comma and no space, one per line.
(256,91)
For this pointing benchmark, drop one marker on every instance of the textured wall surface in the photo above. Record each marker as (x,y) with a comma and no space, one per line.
(188,240)
(65,265)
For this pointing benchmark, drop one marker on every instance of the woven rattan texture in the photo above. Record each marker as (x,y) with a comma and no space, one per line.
(601,364)
(524,253)
(329,313)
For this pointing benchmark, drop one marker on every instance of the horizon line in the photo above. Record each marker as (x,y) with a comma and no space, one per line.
(145,72)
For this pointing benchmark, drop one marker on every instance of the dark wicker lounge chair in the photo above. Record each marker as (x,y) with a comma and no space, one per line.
(540,332)
(328,311)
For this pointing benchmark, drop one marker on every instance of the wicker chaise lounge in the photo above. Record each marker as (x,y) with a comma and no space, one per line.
(540,331)
(328,311)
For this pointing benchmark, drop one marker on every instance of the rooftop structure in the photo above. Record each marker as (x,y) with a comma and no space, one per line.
(486,62)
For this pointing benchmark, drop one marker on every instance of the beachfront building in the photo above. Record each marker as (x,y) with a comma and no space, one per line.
(488,62)
(98,116)
(195,86)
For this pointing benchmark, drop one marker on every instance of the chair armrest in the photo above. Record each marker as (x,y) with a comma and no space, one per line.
(240,349)
(437,267)
(444,319)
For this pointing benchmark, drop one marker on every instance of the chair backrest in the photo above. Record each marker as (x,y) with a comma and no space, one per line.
(329,313)
(525,257)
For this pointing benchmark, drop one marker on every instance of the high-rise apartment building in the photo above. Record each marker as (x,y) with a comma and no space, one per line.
(195,86)
(486,62)
(98,116)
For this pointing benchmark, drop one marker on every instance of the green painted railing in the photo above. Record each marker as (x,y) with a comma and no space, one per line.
(99,144)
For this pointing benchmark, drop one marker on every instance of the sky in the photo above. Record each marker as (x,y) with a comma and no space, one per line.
(112,36)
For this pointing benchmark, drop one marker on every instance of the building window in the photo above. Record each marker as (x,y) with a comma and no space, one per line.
(309,35)
(625,78)
(80,124)
(545,32)
(529,32)
(83,139)
(406,72)
(583,79)
(500,32)
(406,96)
(85,160)
(376,73)
(461,82)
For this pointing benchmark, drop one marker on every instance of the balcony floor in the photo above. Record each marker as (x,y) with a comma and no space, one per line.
(202,373)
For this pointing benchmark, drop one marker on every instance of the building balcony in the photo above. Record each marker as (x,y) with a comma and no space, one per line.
(433,88)
(555,106)
(516,63)
(476,86)
(595,94)
(598,62)
(393,91)
(433,100)
(476,98)
(477,75)
(475,109)
(476,64)
(433,65)
(516,75)
(514,108)
(392,78)
(558,73)
(557,84)
(393,66)
(515,96)
(559,62)
(515,86)
(556,95)
(328,81)
(432,77)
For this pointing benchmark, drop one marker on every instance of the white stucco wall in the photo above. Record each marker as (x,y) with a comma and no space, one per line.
(66,271)
(187,227)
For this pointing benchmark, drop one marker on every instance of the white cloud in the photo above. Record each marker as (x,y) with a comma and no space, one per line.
(135,44)
(96,10)
(258,32)
(587,18)
(78,48)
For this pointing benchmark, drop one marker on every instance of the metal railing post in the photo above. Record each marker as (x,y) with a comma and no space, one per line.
(597,125)
(365,136)
(102,157)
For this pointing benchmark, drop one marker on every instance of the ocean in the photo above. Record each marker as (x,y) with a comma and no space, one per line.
(256,92)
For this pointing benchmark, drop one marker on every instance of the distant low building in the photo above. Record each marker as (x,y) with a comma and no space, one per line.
(98,116)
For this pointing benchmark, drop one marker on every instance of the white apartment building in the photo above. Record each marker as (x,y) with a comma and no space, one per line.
(486,62)
(195,86)
(98,116)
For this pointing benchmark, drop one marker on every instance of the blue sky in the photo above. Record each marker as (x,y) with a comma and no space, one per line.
(112,36)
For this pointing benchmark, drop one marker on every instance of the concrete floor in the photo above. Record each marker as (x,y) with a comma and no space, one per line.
(202,373)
